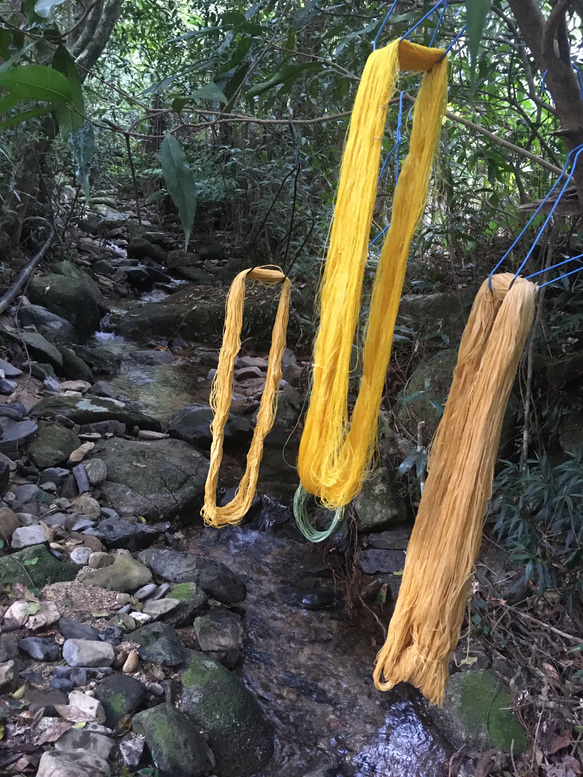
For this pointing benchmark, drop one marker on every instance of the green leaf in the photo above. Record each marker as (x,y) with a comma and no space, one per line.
(69,116)
(180,182)
(33,113)
(209,92)
(31,561)
(5,41)
(37,82)
(178,103)
(44,7)
(286,73)
(476,13)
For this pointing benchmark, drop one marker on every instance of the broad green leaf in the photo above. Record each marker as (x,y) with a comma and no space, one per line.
(82,142)
(178,103)
(37,82)
(33,113)
(69,116)
(44,7)
(180,182)
(209,92)
(476,13)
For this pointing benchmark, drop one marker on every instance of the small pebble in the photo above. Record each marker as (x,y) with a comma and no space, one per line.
(99,560)
(156,689)
(79,454)
(131,663)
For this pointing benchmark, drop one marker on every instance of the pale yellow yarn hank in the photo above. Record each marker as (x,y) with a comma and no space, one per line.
(448,529)
(221,392)
(335,451)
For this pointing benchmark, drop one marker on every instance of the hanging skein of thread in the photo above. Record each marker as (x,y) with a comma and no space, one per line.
(335,451)
(221,391)
(446,537)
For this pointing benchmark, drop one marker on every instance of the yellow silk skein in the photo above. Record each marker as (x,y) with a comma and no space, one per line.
(221,392)
(335,450)
(448,529)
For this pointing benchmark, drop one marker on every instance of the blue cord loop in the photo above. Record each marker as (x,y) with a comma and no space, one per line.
(422,19)
(576,69)
(451,45)
(437,26)
(554,267)
(574,154)
(382,27)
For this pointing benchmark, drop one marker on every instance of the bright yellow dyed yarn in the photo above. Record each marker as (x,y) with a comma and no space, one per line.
(221,391)
(335,452)
(446,537)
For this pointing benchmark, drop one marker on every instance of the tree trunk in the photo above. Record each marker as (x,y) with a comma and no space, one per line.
(549,43)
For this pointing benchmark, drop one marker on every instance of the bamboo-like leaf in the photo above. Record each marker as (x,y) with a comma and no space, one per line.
(33,113)
(180,182)
(209,92)
(70,116)
(476,13)
(37,82)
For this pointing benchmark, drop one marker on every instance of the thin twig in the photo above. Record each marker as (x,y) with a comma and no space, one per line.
(544,625)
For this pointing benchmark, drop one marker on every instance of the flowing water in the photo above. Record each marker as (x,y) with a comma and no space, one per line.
(310,664)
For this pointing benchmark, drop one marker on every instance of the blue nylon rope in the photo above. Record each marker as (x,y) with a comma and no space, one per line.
(560,278)
(435,7)
(554,267)
(576,152)
(449,48)
(432,41)
(576,69)
(382,27)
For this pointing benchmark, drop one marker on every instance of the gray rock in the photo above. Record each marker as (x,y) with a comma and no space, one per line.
(42,568)
(145,591)
(208,248)
(54,475)
(153,357)
(230,716)
(71,629)
(445,313)
(159,644)
(192,424)
(25,536)
(88,741)
(103,389)
(15,437)
(91,409)
(9,370)
(40,648)
(120,695)
(28,492)
(125,574)
(83,652)
(155,479)
(74,367)
(56,328)
(7,386)
(80,475)
(427,392)
(80,555)
(140,248)
(159,607)
(8,675)
(96,470)
(71,293)
(52,446)
(220,635)
(100,559)
(75,763)
(176,746)
(214,578)
(131,749)
(373,560)
(40,348)
(103,267)
(100,358)
(380,504)
(115,533)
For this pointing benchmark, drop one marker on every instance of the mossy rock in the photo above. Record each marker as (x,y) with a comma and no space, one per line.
(177,748)
(477,711)
(52,446)
(229,715)
(35,567)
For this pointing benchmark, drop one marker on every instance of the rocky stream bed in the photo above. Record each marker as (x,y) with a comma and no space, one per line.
(132,636)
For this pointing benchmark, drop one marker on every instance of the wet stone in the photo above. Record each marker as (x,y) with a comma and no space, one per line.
(115,533)
(220,635)
(176,746)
